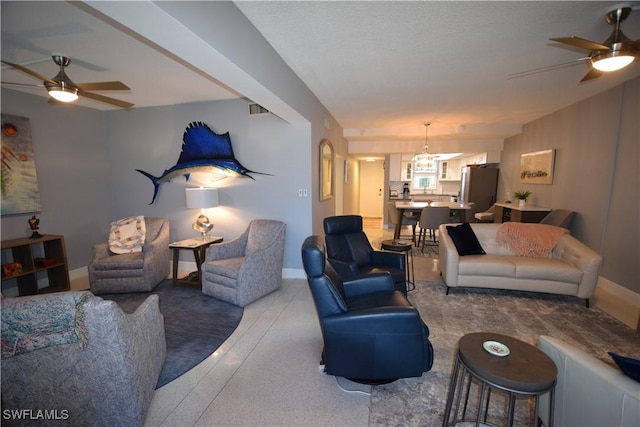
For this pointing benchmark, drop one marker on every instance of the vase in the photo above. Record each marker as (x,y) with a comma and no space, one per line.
(522,202)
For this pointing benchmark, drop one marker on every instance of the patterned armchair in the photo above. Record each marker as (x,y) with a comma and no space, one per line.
(81,356)
(248,267)
(133,272)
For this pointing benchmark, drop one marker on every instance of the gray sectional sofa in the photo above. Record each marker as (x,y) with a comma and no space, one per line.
(72,358)
(570,269)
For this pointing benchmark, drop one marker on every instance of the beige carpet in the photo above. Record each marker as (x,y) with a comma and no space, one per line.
(421,401)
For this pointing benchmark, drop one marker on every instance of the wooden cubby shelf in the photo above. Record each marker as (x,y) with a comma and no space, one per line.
(51,276)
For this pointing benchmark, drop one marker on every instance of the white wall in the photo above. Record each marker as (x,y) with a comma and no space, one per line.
(150,139)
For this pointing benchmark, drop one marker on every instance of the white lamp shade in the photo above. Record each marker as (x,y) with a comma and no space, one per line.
(202,198)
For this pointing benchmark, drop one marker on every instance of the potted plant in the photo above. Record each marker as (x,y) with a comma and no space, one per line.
(522,197)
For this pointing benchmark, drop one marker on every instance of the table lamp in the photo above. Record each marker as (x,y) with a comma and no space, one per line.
(202,198)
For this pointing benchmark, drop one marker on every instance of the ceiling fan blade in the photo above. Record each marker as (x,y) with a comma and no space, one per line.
(105,99)
(28,71)
(581,43)
(102,86)
(22,85)
(592,74)
(547,68)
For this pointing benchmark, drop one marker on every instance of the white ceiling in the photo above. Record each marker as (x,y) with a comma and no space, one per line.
(382,69)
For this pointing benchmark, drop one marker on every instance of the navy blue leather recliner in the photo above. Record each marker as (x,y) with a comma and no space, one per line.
(371,332)
(351,254)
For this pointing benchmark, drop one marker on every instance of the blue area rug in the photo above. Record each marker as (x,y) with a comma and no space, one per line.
(195,324)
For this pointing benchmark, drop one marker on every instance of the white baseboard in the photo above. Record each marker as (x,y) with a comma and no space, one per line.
(619,302)
(618,291)
(78,273)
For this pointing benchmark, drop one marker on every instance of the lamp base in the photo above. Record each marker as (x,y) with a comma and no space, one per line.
(202,225)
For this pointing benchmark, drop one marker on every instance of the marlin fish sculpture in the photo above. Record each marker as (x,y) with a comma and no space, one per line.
(203,150)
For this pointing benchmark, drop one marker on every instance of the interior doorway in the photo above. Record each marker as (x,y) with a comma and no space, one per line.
(372,189)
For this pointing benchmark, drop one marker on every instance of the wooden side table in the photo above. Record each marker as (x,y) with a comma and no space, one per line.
(199,247)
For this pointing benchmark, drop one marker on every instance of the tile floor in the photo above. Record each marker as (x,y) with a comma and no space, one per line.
(266,373)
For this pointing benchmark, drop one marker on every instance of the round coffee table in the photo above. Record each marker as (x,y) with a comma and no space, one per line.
(405,247)
(520,370)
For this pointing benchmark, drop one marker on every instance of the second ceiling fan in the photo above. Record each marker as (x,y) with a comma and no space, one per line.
(62,89)
(615,53)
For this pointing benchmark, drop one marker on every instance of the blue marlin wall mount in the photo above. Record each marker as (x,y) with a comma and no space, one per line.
(203,150)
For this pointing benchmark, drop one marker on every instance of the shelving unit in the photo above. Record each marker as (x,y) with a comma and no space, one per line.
(51,275)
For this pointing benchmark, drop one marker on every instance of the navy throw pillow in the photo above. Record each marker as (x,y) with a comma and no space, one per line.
(630,367)
(465,239)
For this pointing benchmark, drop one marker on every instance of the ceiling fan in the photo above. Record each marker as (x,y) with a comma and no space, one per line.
(62,89)
(615,53)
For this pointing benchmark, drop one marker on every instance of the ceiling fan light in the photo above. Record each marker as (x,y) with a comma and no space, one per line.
(611,61)
(61,88)
(64,94)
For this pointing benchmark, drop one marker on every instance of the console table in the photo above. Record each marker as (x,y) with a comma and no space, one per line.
(513,212)
(199,247)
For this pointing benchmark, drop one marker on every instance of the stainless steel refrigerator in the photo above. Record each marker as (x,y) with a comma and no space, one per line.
(479,185)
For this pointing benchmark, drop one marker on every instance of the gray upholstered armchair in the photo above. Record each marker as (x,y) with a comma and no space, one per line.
(133,272)
(248,267)
(81,356)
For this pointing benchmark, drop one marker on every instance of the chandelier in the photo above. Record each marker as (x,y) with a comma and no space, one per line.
(424,160)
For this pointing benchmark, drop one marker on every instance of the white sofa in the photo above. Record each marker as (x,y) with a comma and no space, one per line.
(589,392)
(571,268)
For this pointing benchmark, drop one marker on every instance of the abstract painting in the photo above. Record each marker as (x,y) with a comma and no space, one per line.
(19,181)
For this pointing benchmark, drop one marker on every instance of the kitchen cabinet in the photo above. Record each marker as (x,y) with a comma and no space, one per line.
(406,171)
(394,167)
(35,265)
(400,167)
(449,170)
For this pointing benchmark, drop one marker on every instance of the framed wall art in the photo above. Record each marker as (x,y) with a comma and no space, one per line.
(346,171)
(19,182)
(537,167)
(326,170)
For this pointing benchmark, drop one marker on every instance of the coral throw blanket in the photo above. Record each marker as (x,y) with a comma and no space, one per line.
(531,240)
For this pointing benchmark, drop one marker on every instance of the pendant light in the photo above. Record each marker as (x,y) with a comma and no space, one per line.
(424,160)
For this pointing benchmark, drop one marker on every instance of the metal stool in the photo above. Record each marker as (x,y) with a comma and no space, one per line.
(407,248)
(524,372)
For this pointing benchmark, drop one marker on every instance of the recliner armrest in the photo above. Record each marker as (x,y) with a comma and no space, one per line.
(366,284)
(392,320)
(345,269)
(388,259)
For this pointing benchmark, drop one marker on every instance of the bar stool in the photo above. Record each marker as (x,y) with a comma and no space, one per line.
(501,363)
(407,248)
(486,216)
